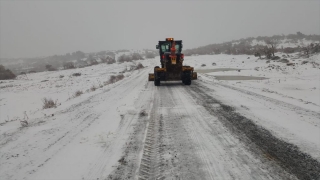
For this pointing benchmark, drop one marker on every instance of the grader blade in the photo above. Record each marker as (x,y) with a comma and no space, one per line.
(151,77)
(194,76)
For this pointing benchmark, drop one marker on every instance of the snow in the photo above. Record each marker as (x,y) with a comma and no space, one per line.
(286,43)
(84,136)
(298,86)
(67,124)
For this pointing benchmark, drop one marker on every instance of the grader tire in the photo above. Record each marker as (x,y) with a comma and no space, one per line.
(157,82)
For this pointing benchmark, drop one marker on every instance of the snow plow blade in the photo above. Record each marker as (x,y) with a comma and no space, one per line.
(151,77)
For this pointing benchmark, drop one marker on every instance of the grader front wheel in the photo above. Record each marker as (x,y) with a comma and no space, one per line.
(157,82)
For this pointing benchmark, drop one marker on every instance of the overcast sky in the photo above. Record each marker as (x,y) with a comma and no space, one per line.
(43,28)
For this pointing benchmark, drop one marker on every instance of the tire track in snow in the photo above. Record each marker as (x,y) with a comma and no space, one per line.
(288,156)
(224,156)
(134,125)
(298,109)
(79,117)
(188,142)
(164,154)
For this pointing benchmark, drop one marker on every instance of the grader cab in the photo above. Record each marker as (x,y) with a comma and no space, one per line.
(171,60)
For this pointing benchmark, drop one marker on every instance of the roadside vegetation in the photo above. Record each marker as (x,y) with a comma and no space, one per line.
(73,60)
(6,73)
(49,103)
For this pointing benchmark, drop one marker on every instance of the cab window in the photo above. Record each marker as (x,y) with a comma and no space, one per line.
(165,47)
(177,48)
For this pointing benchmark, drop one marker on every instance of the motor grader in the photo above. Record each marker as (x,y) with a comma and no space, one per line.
(171,60)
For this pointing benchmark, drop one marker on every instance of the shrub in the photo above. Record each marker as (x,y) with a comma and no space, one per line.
(93,62)
(288,50)
(69,65)
(136,56)
(257,54)
(50,68)
(120,77)
(315,48)
(124,58)
(275,58)
(139,66)
(304,62)
(93,88)
(6,73)
(114,79)
(48,103)
(284,60)
(76,74)
(150,55)
(143,113)
(110,60)
(314,64)
(24,123)
(214,64)
(202,65)
(78,93)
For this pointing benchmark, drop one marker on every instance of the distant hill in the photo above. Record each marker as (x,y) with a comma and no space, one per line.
(73,60)
(262,45)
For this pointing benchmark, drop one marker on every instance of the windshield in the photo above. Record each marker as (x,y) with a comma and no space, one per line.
(165,47)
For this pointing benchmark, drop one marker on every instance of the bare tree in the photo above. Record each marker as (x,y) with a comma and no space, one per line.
(272,44)
(306,50)
(259,50)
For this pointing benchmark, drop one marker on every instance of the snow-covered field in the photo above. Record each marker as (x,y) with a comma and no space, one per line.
(116,130)
(296,87)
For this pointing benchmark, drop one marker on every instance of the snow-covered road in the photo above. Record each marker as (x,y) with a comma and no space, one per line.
(134,130)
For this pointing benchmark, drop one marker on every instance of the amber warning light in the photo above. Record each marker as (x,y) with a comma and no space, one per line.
(169,39)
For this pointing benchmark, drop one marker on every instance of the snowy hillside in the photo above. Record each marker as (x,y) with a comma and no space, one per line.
(284,43)
(244,117)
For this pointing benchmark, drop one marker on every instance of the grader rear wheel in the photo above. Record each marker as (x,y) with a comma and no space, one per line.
(187,82)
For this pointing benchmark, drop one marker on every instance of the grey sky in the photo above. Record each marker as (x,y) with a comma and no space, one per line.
(43,28)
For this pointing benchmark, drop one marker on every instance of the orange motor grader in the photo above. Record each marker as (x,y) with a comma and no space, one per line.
(171,60)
